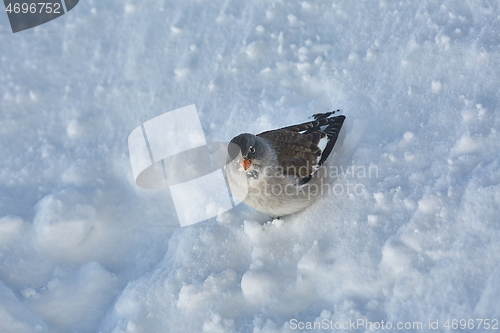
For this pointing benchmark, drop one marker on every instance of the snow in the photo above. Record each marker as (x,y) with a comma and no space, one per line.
(83,249)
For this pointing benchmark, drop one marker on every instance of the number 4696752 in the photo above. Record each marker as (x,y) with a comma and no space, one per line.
(487,324)
(33,8)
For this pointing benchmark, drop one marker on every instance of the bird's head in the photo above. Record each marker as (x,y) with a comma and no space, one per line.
(251,148)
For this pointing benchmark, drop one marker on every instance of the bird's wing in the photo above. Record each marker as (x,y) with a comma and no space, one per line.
(303,148)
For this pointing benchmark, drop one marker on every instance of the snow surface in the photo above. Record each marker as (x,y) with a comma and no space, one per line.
(82,249)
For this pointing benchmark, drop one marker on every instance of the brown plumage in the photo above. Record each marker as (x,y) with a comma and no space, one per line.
(297,145)
(297,153)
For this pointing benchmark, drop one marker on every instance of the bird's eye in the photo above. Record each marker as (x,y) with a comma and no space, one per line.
(251,150)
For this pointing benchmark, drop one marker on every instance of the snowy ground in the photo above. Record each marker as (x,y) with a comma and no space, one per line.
(82,249)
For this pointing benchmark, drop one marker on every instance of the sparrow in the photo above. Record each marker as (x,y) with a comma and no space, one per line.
(282,171)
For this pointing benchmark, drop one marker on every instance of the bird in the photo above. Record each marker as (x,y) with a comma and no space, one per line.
(281,172)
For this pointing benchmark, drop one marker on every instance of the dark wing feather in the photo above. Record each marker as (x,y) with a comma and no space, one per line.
(297,145)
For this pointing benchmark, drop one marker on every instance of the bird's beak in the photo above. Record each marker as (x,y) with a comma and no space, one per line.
(245,163)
